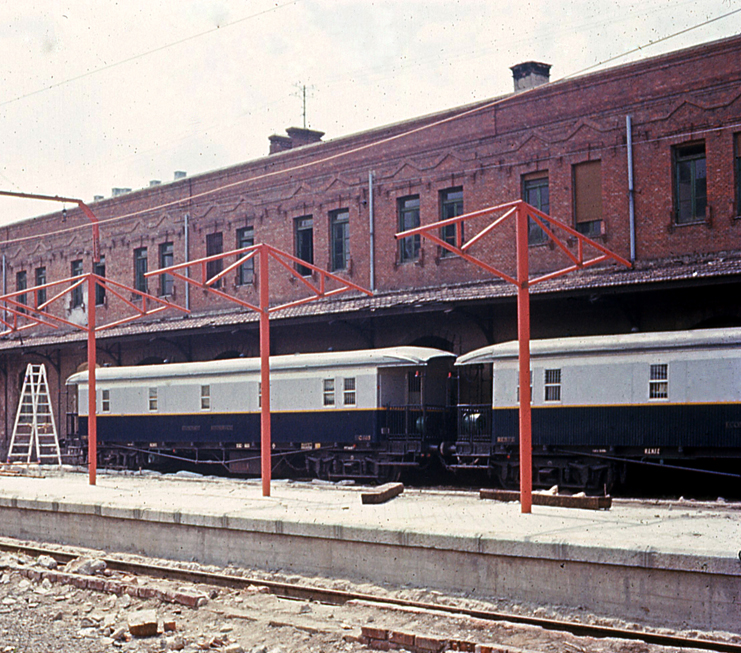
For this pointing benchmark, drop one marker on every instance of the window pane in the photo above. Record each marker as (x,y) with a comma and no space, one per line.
(535,192)
(328,386)
(77,296)
(340,238)
(408,208)
(348,397)
(140,269)
(205,397)
(167,258)
(152,399)
(246,271)
(690,183)
(40,281)
(99,269)
(304,235)
(451,206)
(214,245)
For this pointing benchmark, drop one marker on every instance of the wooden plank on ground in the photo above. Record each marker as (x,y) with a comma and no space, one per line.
(556,500)
(382,493)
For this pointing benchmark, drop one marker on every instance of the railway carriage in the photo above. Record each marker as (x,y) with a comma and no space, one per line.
(598,402)
(356,414)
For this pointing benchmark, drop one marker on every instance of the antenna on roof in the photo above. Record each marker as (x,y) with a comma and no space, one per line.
(301,94)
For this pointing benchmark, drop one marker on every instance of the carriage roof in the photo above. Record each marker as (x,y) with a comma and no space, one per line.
(374,358)
(609,345)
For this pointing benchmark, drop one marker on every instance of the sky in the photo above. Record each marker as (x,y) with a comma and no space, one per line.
(102,94)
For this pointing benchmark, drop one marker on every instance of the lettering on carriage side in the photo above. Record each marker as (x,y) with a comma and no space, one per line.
(362,438)
(652,451)
(733,425)
(222,427)
(190,427)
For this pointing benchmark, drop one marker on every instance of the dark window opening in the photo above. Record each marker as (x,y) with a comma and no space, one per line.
(167,258)
(77,295)
(690,183)
(214,246)
(140,269)
(588,198)
(536,193)
(339,225)
(99,269)
(451,205)
(304,236)
(40,280)
(408,209)
(246,271)
(21,283)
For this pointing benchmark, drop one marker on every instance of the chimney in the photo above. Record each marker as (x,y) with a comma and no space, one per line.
(279,143)
(297,137)
(154,182)
(180,174)
(117,192)
(530,74)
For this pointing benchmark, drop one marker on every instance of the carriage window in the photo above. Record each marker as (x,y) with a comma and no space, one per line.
(205,397)
(553,385)
(152,399)
(105,403)
(658,385)
(531,387)
(348,397)
(329,392)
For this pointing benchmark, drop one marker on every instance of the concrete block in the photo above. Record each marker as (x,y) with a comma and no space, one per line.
(382,493)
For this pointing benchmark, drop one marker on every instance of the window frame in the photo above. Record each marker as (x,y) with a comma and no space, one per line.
(328,393)
(408,217)
(99,269)
(166,254)
(245,237)
(205,397)
(686,158)
(450,207)
(21,283)
(153,400)
(105,400)
(40,280)
(339,239)
(532,183)
(141,267)
(658,382)
(588,200)
(214,246)
(552,378)
(77,297)
(302,226)
(349,391)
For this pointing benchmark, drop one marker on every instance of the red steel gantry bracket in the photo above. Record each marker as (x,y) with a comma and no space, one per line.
(25,315)
(521,210)
(263,253)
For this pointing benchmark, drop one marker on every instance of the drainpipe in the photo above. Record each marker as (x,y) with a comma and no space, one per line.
(5,284)
(371,219)
(631,189)
(187,260)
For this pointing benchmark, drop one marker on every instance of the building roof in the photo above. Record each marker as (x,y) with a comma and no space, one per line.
(646,275)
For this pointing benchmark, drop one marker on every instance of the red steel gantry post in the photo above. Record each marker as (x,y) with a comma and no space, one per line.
(264,253)
(522,211)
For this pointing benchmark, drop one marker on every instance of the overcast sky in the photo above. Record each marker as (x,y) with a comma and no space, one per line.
(98,94)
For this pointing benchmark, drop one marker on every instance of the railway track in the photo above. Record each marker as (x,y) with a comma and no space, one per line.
(339,597)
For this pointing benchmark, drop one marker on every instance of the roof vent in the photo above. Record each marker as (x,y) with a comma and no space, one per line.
(530,74)
(98,198)
(154,182)
(180,174)
(116,192)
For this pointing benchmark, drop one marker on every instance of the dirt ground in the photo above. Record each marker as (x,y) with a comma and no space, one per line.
(43,616)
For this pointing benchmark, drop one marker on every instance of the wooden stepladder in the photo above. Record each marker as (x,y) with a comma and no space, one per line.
(34,430)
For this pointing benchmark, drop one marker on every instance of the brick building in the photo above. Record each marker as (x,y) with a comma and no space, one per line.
(563,146)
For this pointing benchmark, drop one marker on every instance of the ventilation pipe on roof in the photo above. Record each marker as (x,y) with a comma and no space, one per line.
(631,189)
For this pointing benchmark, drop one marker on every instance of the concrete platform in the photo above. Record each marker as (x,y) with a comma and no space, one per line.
(668,565)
